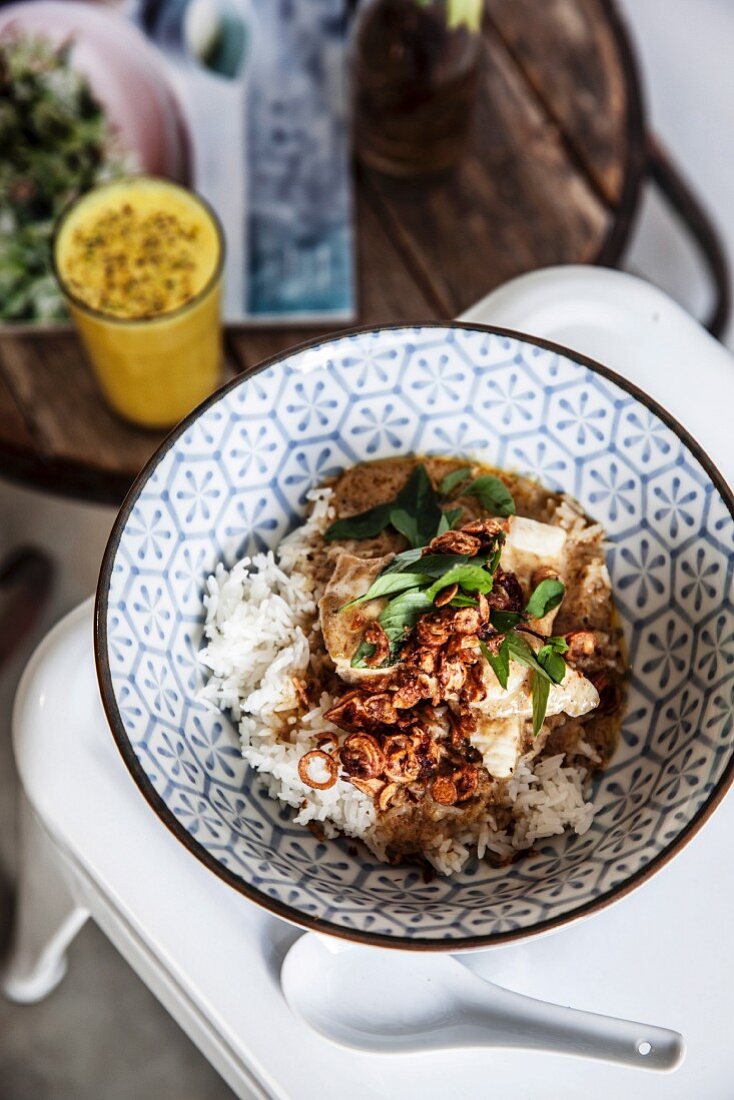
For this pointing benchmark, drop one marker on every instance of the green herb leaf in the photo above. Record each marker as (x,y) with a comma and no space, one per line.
(545,598)
(552,662)
(404,562)
(495,558)
(406,524)
(449,519)
(389,583)
(471,577)
(401,615)
(541,687)
(435,565)
(462,600)
(493,495)
(499,662)
(558,643)
(362,526)
(414,512)
(456,477)
(364,649)
(505,620)
(418,502)
(522,652)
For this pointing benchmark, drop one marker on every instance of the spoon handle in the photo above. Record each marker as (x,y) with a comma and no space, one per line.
(511,1019)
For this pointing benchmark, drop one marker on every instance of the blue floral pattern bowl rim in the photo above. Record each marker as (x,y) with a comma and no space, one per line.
(277,908)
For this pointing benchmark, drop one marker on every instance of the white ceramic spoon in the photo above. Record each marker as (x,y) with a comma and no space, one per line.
(399,1002)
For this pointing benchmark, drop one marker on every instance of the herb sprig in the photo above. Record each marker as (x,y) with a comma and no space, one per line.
(547,665)
(416,511)
(413,580)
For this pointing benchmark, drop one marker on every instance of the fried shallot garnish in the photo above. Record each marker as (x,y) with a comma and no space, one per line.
(370,787)
(486,530)
(411,686)
(506,594)
(317,758)
(388,796)
(454,542)
(401,762)
(443,790)
(301,691)
(474,688)
(376,636)
(361,756)
(359,710)
(466,781)
(446,595)
(451,676)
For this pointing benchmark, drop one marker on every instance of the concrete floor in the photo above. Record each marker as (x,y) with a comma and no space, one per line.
(101,1035)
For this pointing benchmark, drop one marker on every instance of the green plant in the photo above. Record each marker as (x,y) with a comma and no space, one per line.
(55,143)
(461,12)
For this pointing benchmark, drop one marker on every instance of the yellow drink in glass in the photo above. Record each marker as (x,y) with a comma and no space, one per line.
(140,262)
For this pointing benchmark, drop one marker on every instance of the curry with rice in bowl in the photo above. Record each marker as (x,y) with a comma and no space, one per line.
(430,663)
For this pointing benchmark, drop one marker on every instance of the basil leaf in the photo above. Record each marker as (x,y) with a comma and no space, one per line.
(558,643)
(493,495)
(505,620)
(414,512)
(545,598)
(388,583)
(416,508)
(456,477)
(362,526)
(471,577)
(406,524)
(522,652)
(552,662)
(401,615)
(462,600)
(435,565)
(364,649)
(495,558)
(449,519)
(403,563)
(499,662)
(541,688)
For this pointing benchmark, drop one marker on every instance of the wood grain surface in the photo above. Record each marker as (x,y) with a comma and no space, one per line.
(551,176)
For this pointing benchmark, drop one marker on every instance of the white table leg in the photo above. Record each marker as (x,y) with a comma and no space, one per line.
(46,919)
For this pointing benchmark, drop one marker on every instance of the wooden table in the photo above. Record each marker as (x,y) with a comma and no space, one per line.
(553,175)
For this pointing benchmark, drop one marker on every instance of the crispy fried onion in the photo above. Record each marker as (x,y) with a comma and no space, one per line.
(361,756)
(318,761)
(469,539)
(457,787)
(376,636)
(401,761)
(360,710)
(371,787)
(506,594)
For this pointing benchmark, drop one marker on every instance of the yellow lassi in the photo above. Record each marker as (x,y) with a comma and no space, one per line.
(140,261)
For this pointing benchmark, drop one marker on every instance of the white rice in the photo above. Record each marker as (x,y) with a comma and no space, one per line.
(258,618)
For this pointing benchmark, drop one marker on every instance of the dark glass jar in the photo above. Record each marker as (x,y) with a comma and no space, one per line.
(416,84)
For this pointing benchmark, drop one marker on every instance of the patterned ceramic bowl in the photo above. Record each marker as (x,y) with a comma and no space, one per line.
(232,479)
